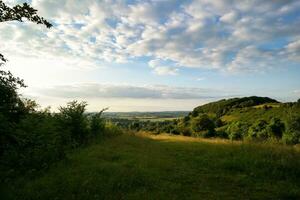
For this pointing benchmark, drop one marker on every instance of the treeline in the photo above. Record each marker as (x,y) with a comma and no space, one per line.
(281,123)
(31,139)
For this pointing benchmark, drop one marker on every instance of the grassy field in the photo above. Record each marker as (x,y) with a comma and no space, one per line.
(166,167)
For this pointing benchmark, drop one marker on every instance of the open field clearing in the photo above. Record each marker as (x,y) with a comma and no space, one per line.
(166,167)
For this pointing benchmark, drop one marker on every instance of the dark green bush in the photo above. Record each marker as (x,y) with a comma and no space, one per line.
(275,128)
(73,121)
(258,130)
(292,133)
(97,124)
(202,123)
(35,143)
(237,130)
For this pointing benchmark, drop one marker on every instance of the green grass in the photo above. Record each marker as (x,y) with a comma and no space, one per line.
(166,167)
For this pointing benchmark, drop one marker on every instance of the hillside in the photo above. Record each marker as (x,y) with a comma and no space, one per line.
(247,118)
(224,106)
(165,167)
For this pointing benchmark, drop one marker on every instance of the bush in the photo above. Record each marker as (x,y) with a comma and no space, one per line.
(74,122)
(292,133)
(36,143)
(112,130)
(202,123)
(275,128)
(258,130)
(221,132)
(237,130)
(204,134)
(97,124)
(219,123)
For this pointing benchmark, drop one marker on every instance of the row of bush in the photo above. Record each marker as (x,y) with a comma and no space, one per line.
(39,138)
(275,129)
(287,132)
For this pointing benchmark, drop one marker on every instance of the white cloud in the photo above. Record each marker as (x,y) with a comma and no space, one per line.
(293,50)
(199,33)
(161,69)
(230,17)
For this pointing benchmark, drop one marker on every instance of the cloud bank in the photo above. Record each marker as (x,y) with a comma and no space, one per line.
(95,90)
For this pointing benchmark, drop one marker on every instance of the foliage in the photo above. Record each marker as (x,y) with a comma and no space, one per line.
(11,105)
(237,130)
(258,130)
(202,123)
(18,12)
(41,138)
(97,123)
(292,133)
(255,118)
(219,123)
(224,106)
(203,126)
(74,122)
(275,128)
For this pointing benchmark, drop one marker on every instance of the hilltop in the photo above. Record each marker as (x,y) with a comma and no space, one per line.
(224,106)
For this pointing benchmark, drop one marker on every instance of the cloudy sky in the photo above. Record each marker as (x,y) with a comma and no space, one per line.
(153,55)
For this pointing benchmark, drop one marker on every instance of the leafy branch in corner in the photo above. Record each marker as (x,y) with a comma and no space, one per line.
(18,13)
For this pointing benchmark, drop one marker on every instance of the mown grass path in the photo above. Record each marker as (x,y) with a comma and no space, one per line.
(166,167)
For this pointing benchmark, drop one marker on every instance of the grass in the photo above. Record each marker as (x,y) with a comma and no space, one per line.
(166,167)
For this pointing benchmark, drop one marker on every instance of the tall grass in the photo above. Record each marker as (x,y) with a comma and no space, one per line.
(166,167)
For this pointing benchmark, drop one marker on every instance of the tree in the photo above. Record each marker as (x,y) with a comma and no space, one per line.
(18,13)
(97,123)
(203,124)
(11,103)
(73,119)
(292,133)
(219,122)
(258,130)
(275,128)
(237,130)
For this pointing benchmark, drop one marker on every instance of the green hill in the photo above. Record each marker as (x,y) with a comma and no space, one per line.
(224,106)
(249,118)
(254,118)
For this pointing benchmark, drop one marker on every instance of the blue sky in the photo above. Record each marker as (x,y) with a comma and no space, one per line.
(156,55)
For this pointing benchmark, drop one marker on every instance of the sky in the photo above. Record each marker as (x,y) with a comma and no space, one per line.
(155,55)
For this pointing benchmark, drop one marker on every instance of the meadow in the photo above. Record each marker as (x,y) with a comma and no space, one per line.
(145,166)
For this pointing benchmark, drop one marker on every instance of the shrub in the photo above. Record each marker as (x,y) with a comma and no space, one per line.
(221,132)
(275,128)
(292,133)
(97,124)
(202,123)
(112,130)
(36,143)
(237,130)
(219,123)
(204,134)
(258,130)
(74,122)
